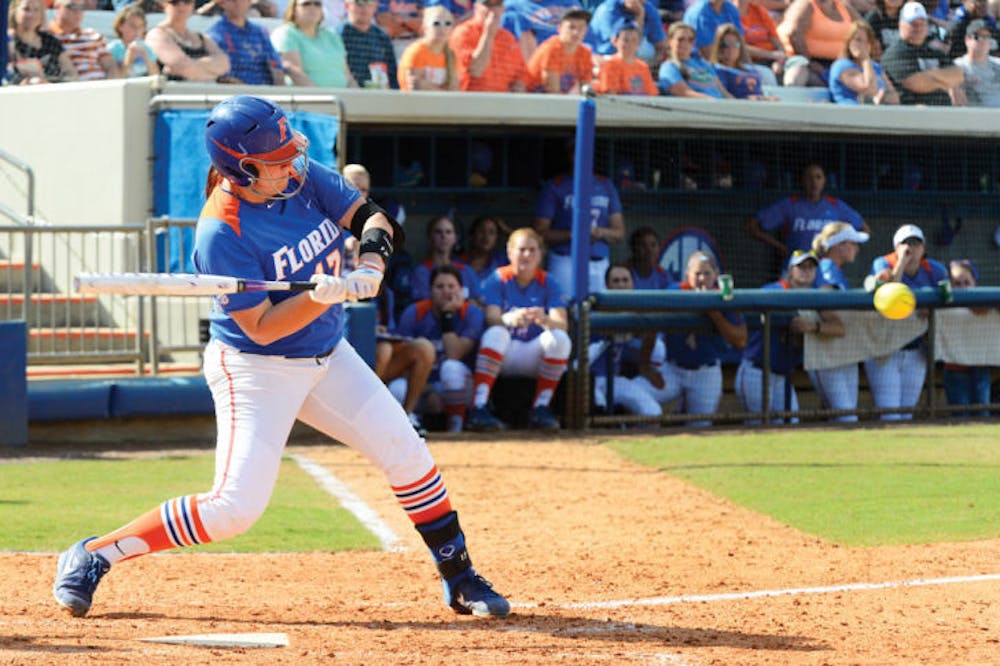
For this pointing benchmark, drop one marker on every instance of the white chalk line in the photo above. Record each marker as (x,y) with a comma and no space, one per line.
(351,502)
(757,594)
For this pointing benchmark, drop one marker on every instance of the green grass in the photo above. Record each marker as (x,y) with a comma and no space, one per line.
(45,506)
(853,487)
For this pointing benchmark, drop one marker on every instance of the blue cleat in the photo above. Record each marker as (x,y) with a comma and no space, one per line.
(540,418)
(481,419)
(471,594)
(77,577)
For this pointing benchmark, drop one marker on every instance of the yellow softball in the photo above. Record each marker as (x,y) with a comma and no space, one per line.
(895,300)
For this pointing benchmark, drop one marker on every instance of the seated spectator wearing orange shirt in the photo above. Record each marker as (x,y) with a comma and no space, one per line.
(429,63)
(760,34)
(623,73)
(85,46)
(817,31)
(562,63)
(488,57)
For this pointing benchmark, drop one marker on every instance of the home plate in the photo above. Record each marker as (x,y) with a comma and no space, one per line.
(225,640)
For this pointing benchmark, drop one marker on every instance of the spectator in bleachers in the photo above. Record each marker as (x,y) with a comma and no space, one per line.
(629,393)
(453,326)
(85,46)
(37,56)
(562,63)
(485,253)
(311,53)
(685,73)
(800,217)
(884,20)
(644,245)
(487,56)
(837,245)
(967,12)
(184,54)
(369,49)
(525,335)
(896,380)
(404,365)
(856,77)
(920,74)
(731,61)
(760,34)
(815,30)
(643,15)
(693,371)
(534,21)
(981,70)
(705,16)
(965,384)
(258,8)
(131,53)
(442,237)
(252,58)
(429,63)
(623,73)
(553,220)
(401,20)
(785,345)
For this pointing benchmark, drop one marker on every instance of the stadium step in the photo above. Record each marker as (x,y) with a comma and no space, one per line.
(12,275)
(52,310)
(77,339)
(109,370)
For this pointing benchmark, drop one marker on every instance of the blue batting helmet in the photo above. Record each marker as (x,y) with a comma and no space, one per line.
(243,130)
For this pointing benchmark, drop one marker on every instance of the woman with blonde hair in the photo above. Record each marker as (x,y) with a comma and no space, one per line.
(312,54)
(38,55)
(429,63)
(836,244)
(684,73)
(132,55)
(856,77)
(731,60)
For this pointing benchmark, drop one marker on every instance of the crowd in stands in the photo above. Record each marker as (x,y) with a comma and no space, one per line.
(859,51)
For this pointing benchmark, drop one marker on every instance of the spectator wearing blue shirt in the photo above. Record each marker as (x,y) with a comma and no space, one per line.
(643,14)
(252,58)
(370,55)
(705,16)
(856,77)
(685,73)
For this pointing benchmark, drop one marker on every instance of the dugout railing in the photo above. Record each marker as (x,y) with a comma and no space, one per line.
(638,312)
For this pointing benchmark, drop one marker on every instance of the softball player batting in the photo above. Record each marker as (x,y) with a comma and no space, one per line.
(273,357)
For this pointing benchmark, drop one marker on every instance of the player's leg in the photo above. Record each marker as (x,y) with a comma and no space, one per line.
(596,270)
(560,267)
(253,426)
(414,360)
(351,405)
(980,379)
(913,372)
(884,381)
(837,389)
(634,397)
(456,385)
(555,349)
(671,382)
(750,389)
(493,348)
(702,392)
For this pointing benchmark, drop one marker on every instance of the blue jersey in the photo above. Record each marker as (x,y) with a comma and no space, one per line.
(801,219)
(503,291)
(541,17)
(700,76)
(840,93)
(419,321)
(931,272)
(829,274)
(422,280)
(556,203)
(610,12)
(786,354)
(693,350)
(702,17)
(658,278)
(741,82)
(497,259)
(251,54)
(283,240)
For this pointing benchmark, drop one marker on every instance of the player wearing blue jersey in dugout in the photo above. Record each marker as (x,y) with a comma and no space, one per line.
(277,356)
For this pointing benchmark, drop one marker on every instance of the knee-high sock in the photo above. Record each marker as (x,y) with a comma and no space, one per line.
(426,499)
(556,347)
(173,524)
(492,349)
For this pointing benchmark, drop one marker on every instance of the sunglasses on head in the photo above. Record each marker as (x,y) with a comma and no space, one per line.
(441,24)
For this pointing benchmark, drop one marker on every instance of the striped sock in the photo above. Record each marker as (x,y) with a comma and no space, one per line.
(173,524)
(426,499)
(488,364)
(550,371)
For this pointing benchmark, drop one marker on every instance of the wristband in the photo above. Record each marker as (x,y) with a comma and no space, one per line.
(378,241)
(447,322)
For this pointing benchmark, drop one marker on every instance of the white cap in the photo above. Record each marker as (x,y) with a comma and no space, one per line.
(801,256)
(912,11)
(907,231)
(849,234)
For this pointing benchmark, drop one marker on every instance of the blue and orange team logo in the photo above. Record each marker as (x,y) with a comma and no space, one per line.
(283,129)
(681,244)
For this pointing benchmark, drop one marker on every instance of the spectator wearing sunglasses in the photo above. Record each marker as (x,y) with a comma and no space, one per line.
(982,71)
(252,58)
(184,54)
(487,56)
(312,54)
(429,63)
(86,47)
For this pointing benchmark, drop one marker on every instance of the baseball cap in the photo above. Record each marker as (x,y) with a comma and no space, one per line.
(800,256)
(912,11)
(849,234)
(975,26)
(906,232)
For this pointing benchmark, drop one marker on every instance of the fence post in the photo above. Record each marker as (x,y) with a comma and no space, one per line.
(14,383)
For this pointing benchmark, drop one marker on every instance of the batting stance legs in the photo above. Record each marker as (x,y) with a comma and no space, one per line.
(257,401)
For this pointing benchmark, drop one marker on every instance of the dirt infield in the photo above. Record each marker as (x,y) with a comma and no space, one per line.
(599,557)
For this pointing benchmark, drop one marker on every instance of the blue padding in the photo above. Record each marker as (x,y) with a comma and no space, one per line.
(67,400)
(360,330)
(13,383)
(179,396)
